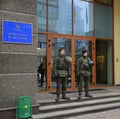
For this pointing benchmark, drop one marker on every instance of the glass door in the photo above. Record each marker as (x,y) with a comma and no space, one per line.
(41,61)
(73,48)
(81,45)
(56,44)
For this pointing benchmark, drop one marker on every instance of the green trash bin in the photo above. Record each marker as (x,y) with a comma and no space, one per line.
(24,108)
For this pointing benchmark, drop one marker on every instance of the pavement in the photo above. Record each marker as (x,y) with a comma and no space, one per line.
(97,92)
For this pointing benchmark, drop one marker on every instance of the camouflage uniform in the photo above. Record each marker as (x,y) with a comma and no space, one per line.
(83,73)
(61,69)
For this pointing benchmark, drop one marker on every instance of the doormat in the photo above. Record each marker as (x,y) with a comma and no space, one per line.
(76,91)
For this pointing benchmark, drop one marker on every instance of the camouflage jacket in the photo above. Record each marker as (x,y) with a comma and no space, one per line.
(82,66)
(61,67)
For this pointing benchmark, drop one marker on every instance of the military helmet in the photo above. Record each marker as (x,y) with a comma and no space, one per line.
(84,51)
(61,49)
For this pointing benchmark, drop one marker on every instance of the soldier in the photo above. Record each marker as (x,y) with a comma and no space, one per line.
(83,73)
(61,67)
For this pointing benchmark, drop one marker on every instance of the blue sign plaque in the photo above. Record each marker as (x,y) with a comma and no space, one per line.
(16,32)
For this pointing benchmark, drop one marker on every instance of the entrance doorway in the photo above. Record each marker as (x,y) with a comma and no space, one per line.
(73,48)
(48,49)
(104,63)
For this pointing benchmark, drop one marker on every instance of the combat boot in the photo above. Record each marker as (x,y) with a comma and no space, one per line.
(80,96)
(65,97)
(57,99)
(88,95)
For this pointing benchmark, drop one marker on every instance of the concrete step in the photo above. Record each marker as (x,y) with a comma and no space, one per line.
(59,110)
(79,104)
(71,112)
(74,99)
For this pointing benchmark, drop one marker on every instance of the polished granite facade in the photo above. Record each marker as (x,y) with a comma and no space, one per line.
(18,62)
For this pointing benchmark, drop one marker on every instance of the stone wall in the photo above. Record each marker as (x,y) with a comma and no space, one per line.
(18,62)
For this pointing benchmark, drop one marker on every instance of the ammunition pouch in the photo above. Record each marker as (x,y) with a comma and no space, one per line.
(86,67)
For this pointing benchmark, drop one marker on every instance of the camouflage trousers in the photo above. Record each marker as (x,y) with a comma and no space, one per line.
(86,84)
(61,85)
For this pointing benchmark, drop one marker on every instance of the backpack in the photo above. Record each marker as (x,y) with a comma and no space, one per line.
(63,69)
(62,63)
(84,66)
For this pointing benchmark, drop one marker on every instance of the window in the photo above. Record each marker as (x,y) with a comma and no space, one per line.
(60,16)
(83,18)
(103,21)
(42,15)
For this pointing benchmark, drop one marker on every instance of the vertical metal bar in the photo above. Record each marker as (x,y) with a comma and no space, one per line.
(47,15)
(94,47)
(73,63)
(72,17)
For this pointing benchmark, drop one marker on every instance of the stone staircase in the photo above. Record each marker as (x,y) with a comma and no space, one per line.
(53,110)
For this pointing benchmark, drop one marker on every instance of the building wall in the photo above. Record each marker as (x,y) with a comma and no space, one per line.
(18,62)
(117,41)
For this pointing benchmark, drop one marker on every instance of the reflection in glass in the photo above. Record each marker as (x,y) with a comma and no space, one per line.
(42,15)
(41,50)
(104,62)
(83,18)
(56,45)
(60,16)
(81,45)
(105,1)
(103,21)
